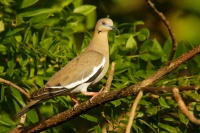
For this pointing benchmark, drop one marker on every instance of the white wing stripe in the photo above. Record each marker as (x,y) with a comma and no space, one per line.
(74,84)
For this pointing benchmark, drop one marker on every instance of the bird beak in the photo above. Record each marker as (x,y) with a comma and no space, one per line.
(113,28)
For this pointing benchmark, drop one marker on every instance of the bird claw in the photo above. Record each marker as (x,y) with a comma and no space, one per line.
(76,105)
(97,93)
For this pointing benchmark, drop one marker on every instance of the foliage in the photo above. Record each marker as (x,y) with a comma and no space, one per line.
(42,36)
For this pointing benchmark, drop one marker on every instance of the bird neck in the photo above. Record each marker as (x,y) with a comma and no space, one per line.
(99,43)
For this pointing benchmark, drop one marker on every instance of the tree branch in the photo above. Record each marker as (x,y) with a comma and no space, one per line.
(183,107)
(110,77)
(133,109)
(166,23)
(15,86)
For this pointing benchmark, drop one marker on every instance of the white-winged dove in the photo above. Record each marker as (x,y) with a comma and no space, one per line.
(84,70)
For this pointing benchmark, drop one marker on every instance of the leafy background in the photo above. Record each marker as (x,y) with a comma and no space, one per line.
(38,37)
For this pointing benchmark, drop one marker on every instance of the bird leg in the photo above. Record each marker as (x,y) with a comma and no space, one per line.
(93,94)
(74,99)
(90,93)
(86,93)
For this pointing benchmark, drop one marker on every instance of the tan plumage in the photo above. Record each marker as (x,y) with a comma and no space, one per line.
(84,70)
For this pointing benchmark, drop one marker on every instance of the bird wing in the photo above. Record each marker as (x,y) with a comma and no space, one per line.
(83,69)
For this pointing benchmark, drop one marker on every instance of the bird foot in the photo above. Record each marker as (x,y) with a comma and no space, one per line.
(75,100)
(93,94)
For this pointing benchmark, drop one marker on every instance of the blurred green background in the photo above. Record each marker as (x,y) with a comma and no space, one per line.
(183,16)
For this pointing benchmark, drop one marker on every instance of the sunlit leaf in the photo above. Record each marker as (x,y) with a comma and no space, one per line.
(143,34)
(85,9)
(32,116)
(168,128)
(40,17)
(26,3)
(116,103)
(37,12)
(131,44)
(4,120)
(12,32)
(163,103)
(90,118)
(183,118)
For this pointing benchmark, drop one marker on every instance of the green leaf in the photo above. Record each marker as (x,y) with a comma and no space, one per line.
(16,94)
(35,38)
(47,22)
(5,120)
(96,129)
(26,3)
(116,103)
(27,35)
(131,44)
(40,17)
(163,103)
(89,12)
(11,63)
(90,118)
(32,116)
(168,128)
(121,66)
(40,80)
(2,49)
(193,67)
(182,48)
(85,9)
(152,110)
(143,34)
(197,106)
(183,119)
(9,72)
(144,73)
(23,60)
(150,50)
(5,129)
(167,50)
(36,12)
(18,39)
(149,125)
(2,93)
(136,23)
(12,32)
(19,20)
(169,119)
(1,69)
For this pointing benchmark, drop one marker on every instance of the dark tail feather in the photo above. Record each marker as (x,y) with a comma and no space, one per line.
(26,109)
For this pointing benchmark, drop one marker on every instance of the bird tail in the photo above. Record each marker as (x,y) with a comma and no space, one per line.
(26,109)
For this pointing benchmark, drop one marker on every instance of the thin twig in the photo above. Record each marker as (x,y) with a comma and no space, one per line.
(110,77)
(166,23)
(133,109)
(159,90)
(15,86)
(183,107)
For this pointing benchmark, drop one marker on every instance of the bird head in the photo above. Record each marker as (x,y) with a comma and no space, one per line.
(104,25)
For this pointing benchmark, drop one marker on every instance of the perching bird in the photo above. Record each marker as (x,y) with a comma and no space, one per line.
(84,70)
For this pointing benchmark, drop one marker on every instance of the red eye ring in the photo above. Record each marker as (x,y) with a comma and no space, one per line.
(103,23)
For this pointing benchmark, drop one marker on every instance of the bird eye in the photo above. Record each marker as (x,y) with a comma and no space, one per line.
(103,23)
